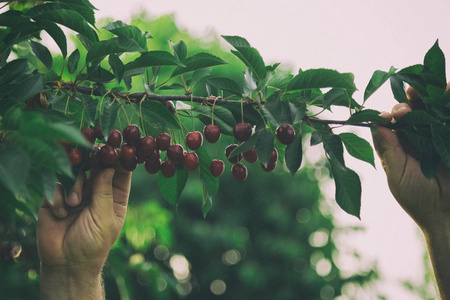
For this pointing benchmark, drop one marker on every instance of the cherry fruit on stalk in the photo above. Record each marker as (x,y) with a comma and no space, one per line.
(242,131)
(190,161)
(146,145)
(108,155)
(216,167)
(285,134)
(114,138)
(194,140)
(212,133)
(127,152)
(239,172)
(153,165)
(75,157)
(98,132)
(131,134)
(89,135)
(163,141)
(175,153)
(234,159)
(128,165)
(168,169)
(251,156)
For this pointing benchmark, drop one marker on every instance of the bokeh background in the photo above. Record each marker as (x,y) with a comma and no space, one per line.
(273,237)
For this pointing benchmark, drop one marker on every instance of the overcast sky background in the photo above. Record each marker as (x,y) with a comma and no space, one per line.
(349,36)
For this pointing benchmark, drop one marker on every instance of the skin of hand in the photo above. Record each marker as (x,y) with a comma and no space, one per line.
(77,231)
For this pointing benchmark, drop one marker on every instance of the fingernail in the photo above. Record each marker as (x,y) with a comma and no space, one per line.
(73,199)
(62,212)
(108,177)
(401,108)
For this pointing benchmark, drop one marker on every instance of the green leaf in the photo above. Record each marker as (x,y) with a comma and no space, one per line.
(294,154)
(332,144)
(101,49)
(398,89)
(28,88)
(42,53)
(207,202)
(435,61)
(11,18)
(417,117)
(264,145)
(245,146)
(222,117)
(100,75)
(225,84)
(441,140)
(321,78)
(155,112)
(367,115)
(72,63)
(252,59)
(210,183)
(171,188)
(90,110)
(297,111)
(180,50)
(109,116)
(152,59)
(199,75)
(196,62)
(130,32)
(14,168)
(377,80)
(56,34)
(236,41)
(429,164)
(358,147)
(348,188)
(117,67)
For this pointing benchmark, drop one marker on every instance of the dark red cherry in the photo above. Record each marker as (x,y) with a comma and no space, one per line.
(127,152)
(131,134)
(194,140)
(190,161)
(128,165)
(147,145)
(75,157)
(168,169)
(270,167)
(98,132)
(153,165)
(212,133)
(216,167)
(163,141)
(89,135)
(285,134)
(242,131)
(108,155)
(239,172)
(251,156)
(114,138)
(234,159)
(175,153)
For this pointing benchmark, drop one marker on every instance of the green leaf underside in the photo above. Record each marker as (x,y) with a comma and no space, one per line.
(171,188)
(293,155)
(367,115)
(264,145)
(155,112)
(358,147)
(321,78)
(196,62)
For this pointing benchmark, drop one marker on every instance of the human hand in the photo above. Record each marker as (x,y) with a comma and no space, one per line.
(427,202)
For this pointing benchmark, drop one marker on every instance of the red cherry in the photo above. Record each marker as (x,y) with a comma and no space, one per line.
(65,144)
(234,159)
(168,169)
(147,145)
(274,157)
(114,138)
(285,134)
(175,153)
(75,157)
(194,140)
(163,141)
(239,172)
(128,165)
(251,156)
(190,161)
(89,135)
(108,155)
(212,133)
(153,165)
(242,131)
(216,167)
(270,167)
(98,132)
(127,152)
(131,134)
(93,158)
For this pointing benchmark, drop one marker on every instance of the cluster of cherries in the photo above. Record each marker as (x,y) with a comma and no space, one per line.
(138,149)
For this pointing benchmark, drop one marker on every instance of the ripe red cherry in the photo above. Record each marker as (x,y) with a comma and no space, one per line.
(98,132)
(163,141)
(65,144)
(75,157)
(270,167)
(131,134)
(168,169)
(235,159)
(114,138)
(251,156)
(212,133)
(175,153)
(147,145)
(94,158)
(89,135)
(128,165)
(127,152)
(194,140)
(216,167)
(274,157)
(153,165)
(285,134)
(242,131)
(239,172)
(190,161)
(108,155)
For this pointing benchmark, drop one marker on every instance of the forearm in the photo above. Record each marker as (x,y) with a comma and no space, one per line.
(438,242)
(67,284)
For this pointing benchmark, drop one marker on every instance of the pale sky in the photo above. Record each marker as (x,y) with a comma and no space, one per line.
(349,36)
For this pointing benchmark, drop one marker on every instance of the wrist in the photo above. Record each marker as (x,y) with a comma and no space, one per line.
(71,282)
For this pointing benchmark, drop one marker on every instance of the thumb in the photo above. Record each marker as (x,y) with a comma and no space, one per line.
(390,152)
(102,194)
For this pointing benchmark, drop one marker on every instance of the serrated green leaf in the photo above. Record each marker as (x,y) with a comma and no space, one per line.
(42,53)
(117,67)
(99,50)
(321,78)
(109,116)
(153,59)
(100,75)
(171,188)
(316,139)
(348,189)
(264,145)
(293,155)
(180,50)
(129,32)
(210,183)
(225,84)
(377,80)
(417,117)
(155,112)
(367,115)
(252,59)
(435,61)
(441,140)
(90,110)
(398,89)
(332,144)
(11,18)
(236,41)
(28,88)
(56,34)
(196,62)
(358,147)
(207,202)
(224,123)
(72,62)
(199,75)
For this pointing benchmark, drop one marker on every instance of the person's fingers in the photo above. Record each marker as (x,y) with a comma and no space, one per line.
(387,118)
(399,110)
(102,193)
(58,208)
(75,196)
(121,186)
